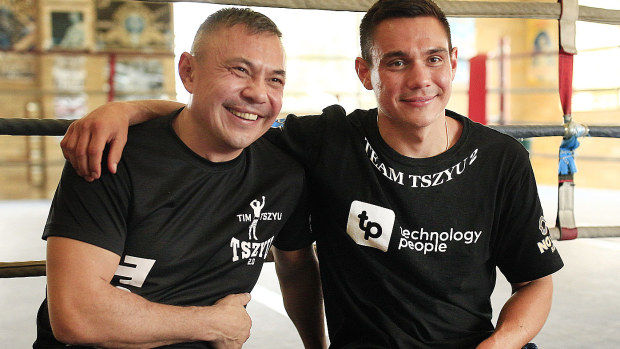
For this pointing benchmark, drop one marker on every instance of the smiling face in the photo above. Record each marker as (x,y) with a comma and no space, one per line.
(236,81)
(411,72)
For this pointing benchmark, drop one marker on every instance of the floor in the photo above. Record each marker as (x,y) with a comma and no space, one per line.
(585,311)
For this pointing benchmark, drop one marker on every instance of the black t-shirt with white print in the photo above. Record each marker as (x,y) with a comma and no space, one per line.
(408,248)
(189,231)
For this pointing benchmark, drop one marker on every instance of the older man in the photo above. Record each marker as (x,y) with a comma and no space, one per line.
(189,217)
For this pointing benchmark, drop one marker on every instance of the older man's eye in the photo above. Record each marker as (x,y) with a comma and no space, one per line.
(277,81)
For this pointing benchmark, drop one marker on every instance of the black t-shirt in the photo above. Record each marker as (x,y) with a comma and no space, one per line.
(189,231)
(408,247)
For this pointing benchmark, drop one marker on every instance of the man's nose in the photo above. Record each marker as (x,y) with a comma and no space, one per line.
(418,76)
(256,91)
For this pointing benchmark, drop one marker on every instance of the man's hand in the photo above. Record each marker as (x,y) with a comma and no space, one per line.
(233,323)
(85,140)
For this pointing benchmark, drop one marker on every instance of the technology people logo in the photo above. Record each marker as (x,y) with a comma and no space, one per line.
(370,225)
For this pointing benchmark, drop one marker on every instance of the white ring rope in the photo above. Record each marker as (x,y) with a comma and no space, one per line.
(471,9)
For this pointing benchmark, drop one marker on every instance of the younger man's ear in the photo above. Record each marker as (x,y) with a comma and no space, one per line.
(363,72)
(453,60)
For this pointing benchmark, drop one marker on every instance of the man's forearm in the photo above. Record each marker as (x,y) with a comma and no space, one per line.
(151,108)
(84,308)
(303,298)
(523,315)
(119,319)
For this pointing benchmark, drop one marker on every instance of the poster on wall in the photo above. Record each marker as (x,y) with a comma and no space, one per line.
(542,40)
(139,78)
(134,26)
(67,25)
(69,78)
(17,25)
(70,106)
(69,73)
(17,67)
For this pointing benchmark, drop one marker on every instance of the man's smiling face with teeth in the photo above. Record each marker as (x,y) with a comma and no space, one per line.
(236,83)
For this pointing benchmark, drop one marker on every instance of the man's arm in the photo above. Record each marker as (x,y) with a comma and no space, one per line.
(523,315)
(85,140)
(298,272)
(84,308)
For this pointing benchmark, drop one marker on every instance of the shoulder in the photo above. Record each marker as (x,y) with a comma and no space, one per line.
(156,133)
(311,130)
(337,113)
(487,136)
(332,115)
(267,163)
(268,154)
(155,124)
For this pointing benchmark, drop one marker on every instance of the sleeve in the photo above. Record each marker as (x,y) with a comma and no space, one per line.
(93,212)
(524,251)
(302,136)
(296,233)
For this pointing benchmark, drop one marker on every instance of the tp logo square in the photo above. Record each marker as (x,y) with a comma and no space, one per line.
(370,225)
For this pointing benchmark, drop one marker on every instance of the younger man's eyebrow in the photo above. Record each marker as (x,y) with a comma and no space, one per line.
(399,53)
(437,50)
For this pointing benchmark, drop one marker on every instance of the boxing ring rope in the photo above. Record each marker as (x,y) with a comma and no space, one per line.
(469,9)
(33,127)
(22,269)
(58,127)
(567,12)
(566,131)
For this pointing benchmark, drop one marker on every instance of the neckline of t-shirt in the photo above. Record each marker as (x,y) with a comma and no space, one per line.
(433,161)
(198,160)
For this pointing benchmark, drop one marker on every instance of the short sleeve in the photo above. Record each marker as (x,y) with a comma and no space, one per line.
(92,212)
(525,251)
